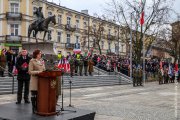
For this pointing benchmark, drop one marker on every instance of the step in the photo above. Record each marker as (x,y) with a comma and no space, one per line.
(85,86)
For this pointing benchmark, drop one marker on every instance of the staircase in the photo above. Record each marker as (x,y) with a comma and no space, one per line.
(6,85)
(103,72)
(77,82)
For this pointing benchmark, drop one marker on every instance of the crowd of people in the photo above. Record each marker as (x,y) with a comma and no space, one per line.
(28,68)
(7,58)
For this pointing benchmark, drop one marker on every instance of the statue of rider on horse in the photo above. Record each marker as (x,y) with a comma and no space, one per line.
(39,15)
(41,24)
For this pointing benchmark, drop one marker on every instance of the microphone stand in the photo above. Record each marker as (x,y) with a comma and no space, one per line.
(62,93)
(70,89)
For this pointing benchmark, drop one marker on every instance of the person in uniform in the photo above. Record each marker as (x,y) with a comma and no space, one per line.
(85,65)
(36,66)
(72,65)
(80,66)
(90,64)
(78,57)
(160,77)
(140,77)
(23,76)
(60,57)
(166,77)
(134,77)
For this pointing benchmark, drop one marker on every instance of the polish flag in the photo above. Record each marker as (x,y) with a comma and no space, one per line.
(142,18)
(176,66)
(64,65)
(161,64)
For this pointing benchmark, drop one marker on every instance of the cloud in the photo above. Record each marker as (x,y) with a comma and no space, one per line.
(96,6)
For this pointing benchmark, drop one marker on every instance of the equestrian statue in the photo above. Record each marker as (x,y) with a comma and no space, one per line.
(41,24)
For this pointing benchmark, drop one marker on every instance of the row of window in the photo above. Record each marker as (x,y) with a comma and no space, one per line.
(15,29)
(14,32)
(14,8)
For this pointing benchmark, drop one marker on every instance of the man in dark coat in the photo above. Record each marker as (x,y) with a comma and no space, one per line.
(10,61)
(23,76)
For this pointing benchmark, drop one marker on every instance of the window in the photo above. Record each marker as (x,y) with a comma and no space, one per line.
(49,14)
(94,28)
(94,43)
(109,45)
(59,37)
(116,48)
(14,7)
(68,20)
(68,38)
(115,34)
(77,39)
(109,32)
(14,29)
(77,23)
(85,25)
(122,48)
(102,44)
(59,19)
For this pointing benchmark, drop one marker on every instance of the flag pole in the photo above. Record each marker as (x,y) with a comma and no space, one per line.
(143,12)
(131,48)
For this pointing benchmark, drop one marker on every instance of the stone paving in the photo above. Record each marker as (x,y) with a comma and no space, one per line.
(152,102)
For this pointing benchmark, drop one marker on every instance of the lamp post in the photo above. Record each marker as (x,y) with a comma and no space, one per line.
(118,40)
(88,31)
(131,46)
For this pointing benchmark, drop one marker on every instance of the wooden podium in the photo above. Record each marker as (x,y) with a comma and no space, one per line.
(46,98)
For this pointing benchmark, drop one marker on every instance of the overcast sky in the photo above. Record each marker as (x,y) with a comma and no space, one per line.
(96,6)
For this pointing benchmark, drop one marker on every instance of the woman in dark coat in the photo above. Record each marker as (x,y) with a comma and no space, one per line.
(2,62)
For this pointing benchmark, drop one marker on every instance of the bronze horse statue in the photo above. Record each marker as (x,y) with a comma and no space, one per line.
(43,26)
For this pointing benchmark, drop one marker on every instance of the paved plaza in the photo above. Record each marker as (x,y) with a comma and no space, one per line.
(152,102)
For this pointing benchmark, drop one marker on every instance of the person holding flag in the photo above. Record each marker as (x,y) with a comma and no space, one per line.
(176,69)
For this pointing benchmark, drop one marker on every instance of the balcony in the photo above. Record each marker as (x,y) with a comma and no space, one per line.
(13,39)
(69,45)
(59,26)
(78,30)
(111,37)
(13,16)
(69,27)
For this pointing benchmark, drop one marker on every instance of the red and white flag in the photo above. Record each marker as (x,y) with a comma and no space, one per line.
(176,66)
(64,65)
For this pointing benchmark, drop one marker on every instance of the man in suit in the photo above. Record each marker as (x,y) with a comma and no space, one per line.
(23,76)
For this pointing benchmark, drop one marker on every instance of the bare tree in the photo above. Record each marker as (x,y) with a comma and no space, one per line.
(170,39)
(96,33)
(156,13)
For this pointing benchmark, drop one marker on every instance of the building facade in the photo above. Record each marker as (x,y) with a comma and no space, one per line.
(73,28)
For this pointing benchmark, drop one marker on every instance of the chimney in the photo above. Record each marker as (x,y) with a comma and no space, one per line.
(84,11)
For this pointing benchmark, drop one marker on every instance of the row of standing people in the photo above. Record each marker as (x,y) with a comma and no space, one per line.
(7,58)
(78,63)
(168,75)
